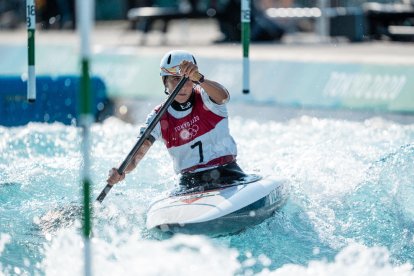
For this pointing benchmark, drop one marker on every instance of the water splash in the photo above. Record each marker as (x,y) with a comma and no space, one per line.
(127,254)
(351,183)
(355,259)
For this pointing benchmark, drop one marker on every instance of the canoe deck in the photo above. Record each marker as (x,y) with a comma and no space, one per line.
(219,211)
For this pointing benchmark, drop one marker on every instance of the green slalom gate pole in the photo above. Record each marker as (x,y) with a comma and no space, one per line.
(85,19)
(245,20)
(31,27)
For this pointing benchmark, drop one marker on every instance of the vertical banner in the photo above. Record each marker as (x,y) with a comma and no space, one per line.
(31,27)
(245,20)
(85,20)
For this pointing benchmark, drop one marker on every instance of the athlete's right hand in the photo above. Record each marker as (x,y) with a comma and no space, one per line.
(114,177)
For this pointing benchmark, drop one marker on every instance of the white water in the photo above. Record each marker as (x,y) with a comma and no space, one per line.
(350,211)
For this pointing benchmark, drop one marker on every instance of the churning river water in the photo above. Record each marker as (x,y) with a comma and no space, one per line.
(350,211)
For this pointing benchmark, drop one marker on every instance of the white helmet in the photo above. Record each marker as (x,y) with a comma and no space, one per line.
(170,63)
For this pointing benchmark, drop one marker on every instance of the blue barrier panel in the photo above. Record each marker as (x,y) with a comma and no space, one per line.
(57,100)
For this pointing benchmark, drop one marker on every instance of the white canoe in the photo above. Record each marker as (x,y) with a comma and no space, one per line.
(224,210)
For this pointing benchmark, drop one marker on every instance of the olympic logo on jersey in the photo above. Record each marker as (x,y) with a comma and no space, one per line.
(189,133)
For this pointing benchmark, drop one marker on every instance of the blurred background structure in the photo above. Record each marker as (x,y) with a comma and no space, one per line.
(340,54)
(355,20)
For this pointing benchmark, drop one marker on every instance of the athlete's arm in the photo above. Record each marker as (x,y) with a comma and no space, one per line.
(217,92)
(115,177)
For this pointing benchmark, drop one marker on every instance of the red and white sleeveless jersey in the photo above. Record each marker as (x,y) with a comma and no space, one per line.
(197,138)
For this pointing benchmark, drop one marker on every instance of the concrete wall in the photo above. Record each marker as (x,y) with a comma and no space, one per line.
(328,84)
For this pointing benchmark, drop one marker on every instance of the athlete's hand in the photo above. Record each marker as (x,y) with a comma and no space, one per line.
(190,70)
(114,177)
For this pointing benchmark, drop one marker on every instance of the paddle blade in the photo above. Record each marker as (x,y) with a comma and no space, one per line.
(104,192)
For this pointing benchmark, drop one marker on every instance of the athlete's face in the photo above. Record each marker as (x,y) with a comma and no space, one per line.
(185,92)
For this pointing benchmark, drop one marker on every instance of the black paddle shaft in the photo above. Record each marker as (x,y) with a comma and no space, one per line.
(144,136)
